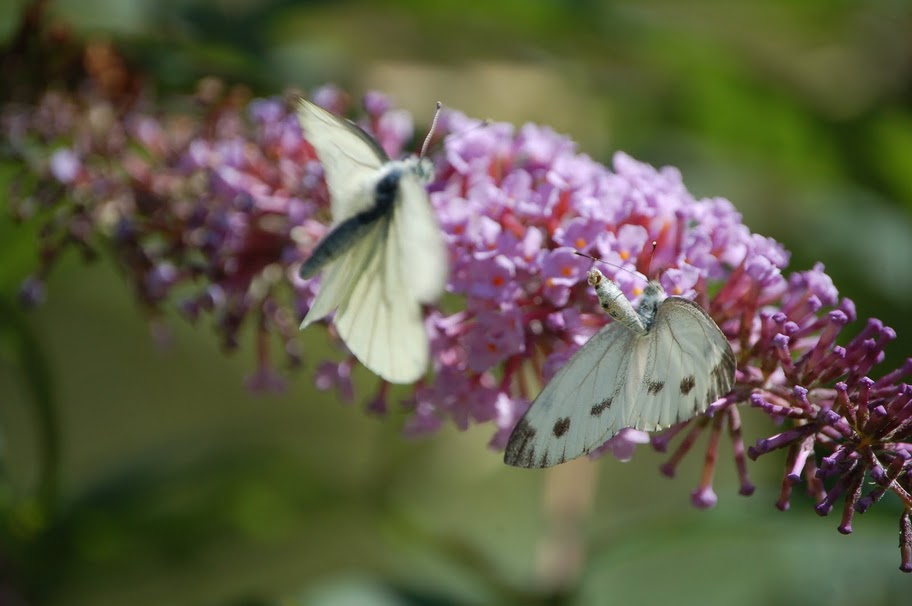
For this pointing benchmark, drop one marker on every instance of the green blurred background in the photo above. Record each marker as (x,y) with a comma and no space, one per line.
(175,486)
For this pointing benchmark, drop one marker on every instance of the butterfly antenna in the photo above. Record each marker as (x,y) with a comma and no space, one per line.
(596,259)
(427,140)
(481,124)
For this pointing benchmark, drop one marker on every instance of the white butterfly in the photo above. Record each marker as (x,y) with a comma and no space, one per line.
(385,255)
(649,369)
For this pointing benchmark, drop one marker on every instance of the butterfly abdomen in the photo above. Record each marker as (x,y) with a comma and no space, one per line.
(615,303)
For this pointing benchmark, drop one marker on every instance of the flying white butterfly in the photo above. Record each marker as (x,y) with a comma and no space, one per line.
(385,255)
(651,368)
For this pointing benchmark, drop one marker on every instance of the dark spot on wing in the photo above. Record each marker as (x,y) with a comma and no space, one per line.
(687,383)
(598,409)
(654,387)
(561,427)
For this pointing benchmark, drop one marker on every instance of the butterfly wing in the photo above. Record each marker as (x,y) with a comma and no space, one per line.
(583,404)
(380,322)
(421,254)
(620,379)
(689,365)
(351,159)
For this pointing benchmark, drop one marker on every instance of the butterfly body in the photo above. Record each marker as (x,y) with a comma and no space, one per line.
(619,308)
(653,367)
(385,255)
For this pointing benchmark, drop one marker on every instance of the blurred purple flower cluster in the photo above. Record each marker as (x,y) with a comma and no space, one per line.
(198,209)
(214,210)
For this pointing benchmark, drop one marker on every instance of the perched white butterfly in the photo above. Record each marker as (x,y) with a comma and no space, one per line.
(385,255)
(651,368)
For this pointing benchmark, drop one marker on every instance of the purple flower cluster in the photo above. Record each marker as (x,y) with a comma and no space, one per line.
(214,212)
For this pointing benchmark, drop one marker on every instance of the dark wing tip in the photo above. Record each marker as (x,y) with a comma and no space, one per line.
(519,453)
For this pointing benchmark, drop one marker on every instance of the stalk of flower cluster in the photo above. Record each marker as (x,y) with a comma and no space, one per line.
(212,213)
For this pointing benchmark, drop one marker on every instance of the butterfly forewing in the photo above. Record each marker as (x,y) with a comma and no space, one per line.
(350,158)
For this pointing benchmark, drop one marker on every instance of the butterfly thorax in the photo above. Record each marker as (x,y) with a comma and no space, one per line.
(386,189)
(653,295)
(385,192)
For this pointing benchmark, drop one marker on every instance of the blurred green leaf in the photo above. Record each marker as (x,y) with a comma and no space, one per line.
(890,143)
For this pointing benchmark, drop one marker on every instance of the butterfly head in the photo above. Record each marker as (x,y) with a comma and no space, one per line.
(653,295)
(594,277)
(613,301)
(424,170)
(421,168)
